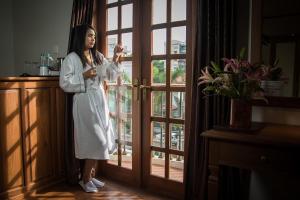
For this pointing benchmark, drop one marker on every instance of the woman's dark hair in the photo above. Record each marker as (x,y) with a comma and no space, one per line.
(77,46)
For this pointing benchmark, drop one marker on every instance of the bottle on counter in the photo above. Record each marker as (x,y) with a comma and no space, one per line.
(44,70)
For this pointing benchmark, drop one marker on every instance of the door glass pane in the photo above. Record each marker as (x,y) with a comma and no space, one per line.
(158,163)
(113,119)
(112,105)
(111,1)
(113,158)
(177,137)
(127,156)
(126,100)
(127,16)
(178,11)
(126,138)
(158,104)
(158,72)
(127,44)
(176,167)
(159,41)
(112,41)
(112,18)
(127,72)
(158,134)
(178,72)
(159,11)
(126,131)
(178,40)
(177,102)
(112,99)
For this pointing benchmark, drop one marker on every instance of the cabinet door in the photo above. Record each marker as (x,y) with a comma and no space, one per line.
(11,167)
(39,146)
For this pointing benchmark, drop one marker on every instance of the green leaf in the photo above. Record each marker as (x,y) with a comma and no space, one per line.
(242,53)
(215,67)
(209,88)
(276,62)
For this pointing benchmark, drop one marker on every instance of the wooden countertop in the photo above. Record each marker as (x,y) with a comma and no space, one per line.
(274,134)
(29,78)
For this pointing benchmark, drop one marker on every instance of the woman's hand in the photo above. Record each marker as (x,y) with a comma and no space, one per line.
(91,73)
(118,51)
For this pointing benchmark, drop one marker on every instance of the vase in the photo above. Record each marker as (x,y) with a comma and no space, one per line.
(272,88)
(240,114)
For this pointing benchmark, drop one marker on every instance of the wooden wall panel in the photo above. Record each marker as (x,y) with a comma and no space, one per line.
(39,149)
(11,166)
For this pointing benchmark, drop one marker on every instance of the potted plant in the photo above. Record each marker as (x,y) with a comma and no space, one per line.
(273,79)
(238,80)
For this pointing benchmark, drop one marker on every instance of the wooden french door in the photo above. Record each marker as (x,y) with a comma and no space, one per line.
(163,91)
(118,23)
(147,103)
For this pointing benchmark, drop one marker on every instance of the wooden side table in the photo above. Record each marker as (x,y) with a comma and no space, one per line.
(274,148)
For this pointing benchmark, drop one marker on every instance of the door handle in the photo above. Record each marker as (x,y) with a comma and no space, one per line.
(144,87)
(137,87)
(136,91)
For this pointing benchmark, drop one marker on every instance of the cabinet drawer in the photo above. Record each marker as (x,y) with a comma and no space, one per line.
(253,157)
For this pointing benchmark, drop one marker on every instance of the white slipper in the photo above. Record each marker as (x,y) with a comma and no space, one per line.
(98,183)
(88,187)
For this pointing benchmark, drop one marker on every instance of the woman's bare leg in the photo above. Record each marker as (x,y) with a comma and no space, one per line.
(89,165)
(93,174)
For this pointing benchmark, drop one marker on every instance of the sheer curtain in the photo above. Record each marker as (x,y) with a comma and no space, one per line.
(82,13)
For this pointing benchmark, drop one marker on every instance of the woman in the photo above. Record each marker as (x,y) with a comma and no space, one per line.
(83,71)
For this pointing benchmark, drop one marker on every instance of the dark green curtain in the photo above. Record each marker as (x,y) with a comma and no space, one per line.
(82,13)
(215,39)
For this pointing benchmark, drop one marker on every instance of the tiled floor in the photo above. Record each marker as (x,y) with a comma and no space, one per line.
(157,170)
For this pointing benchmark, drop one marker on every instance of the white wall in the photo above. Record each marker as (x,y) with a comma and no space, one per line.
(29,28)
(40,25)
(6,39)
(276,115)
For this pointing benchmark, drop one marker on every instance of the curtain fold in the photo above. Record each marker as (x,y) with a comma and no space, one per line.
(215,39)
(82,13)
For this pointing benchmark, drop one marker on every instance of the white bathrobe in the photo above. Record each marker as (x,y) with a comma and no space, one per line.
(94,135)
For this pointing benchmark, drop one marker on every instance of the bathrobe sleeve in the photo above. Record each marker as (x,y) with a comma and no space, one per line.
(108,70)
(69,80)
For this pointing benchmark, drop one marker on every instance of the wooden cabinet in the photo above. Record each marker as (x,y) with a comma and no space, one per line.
(274,149)
(31,134)
(11,174)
